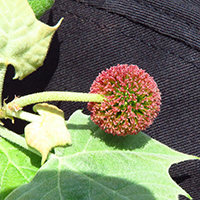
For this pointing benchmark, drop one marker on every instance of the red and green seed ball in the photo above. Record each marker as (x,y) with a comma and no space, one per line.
(132,100)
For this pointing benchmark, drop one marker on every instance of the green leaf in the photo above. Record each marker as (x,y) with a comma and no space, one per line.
(40,6)
(24,40)
(49,131)
(102,166)
(17,167)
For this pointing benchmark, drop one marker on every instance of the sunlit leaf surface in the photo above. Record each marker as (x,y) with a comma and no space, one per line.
(102,166)
(17,166)
(24,40)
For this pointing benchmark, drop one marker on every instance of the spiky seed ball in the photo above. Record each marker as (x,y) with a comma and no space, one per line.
(132,100)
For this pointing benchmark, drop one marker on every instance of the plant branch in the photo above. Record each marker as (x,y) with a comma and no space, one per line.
(17,139)
(3,69)
(56,96)
(29,117)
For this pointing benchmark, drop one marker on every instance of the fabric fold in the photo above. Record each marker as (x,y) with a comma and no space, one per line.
(176,19)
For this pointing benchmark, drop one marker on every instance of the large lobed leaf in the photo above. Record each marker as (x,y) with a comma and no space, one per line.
(17,166)
(101,166)
(24,40)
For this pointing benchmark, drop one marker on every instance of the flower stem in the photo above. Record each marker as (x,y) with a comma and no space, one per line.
(57,96)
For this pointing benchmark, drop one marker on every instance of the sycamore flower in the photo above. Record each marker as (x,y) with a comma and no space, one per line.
(132,100)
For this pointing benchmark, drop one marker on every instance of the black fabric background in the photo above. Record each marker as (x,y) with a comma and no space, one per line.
(161,37)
